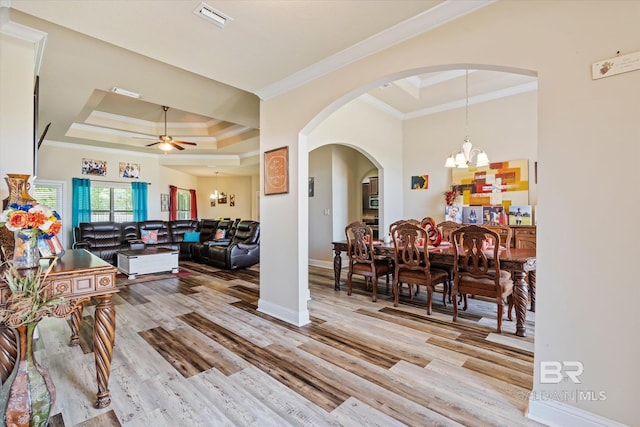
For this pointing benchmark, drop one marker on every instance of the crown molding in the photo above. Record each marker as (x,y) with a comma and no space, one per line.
(22,32)
(426,21)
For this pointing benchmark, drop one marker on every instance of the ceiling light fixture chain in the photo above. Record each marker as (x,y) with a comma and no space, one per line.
(463,159)
(215,194)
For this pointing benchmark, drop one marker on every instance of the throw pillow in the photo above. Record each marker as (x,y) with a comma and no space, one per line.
(191,236)
(220,234)
(149,237)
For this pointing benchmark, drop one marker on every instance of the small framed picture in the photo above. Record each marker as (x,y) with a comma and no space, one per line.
(129,170)
(44,248)
(94,167)
(520,215)
(50,247)
(232,200)
(164,203)
(420,182)
(276,171)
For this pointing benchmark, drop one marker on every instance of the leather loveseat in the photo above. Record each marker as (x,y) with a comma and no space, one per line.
(105,239)
(242,249)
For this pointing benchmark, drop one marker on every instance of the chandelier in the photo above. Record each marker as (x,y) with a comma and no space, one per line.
(215,194)
(467,156)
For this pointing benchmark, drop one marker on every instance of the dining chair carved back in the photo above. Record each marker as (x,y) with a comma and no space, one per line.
(362,258)
(412,264)
(392,227)
(477,269)
(505,232)
(446,228)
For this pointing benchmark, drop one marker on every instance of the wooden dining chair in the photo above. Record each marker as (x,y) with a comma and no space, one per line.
(392,227)
(505,232)
(412,264)
(362,258)
(446,228)
(477,271)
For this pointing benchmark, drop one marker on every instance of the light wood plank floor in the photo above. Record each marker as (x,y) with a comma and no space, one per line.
(192,350)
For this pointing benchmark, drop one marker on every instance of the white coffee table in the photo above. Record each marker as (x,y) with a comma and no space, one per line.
(148,260)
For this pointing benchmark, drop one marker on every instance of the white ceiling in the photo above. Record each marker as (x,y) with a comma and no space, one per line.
(212,78)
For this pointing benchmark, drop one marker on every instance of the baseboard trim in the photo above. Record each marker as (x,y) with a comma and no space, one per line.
(560,414)
(279,312)
(321,263)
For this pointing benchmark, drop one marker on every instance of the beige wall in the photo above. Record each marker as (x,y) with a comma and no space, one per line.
(584,126)
(239,186)
(505,128)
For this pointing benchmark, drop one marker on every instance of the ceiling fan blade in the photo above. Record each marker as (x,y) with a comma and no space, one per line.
(184,142)
(176,146)
(149,145)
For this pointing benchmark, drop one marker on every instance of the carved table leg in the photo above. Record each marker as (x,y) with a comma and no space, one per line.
(8,352)
(76,318)
(104,332)
(337,268)
(520,296)
(532,290)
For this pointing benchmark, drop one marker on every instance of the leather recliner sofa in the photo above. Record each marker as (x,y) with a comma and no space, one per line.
(105,239)
(242,250)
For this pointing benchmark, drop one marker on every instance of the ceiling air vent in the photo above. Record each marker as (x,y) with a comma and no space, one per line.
(210,14)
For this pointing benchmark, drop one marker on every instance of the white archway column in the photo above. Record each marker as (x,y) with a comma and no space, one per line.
(22,49)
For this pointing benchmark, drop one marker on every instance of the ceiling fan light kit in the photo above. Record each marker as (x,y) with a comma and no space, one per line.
(166,142)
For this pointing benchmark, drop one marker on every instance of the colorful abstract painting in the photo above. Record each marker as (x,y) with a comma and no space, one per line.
(500,183)
(420,182)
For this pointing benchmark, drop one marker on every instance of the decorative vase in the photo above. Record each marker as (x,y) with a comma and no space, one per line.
(28,393)
(25,251)
(19,189)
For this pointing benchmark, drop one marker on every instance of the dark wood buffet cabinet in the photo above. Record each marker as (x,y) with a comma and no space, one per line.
(524,236)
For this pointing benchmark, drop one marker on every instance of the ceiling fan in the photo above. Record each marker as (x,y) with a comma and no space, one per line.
(166,142)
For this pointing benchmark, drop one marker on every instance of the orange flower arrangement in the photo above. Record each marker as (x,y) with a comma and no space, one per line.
(28,217)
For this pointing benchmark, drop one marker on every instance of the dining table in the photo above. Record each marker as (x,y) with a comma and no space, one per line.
(519,261)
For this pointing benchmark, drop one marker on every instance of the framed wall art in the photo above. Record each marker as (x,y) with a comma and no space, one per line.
(164,203)
(129,170)
(94,167)
(420,182)
(276,171)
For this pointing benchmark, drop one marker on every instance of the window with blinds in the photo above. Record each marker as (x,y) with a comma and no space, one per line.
(184,205)
(111,204)
(51,194)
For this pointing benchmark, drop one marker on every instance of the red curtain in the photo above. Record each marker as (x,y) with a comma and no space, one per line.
(194,205)
(173,202)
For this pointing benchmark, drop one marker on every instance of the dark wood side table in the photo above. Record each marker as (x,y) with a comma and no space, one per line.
(78,275)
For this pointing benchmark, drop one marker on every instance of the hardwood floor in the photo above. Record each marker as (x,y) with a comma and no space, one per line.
(193,351)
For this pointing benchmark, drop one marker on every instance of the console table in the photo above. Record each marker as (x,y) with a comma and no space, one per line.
(78,275)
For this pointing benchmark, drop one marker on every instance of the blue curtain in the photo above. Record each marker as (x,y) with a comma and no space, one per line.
(81,201)
(139,201)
